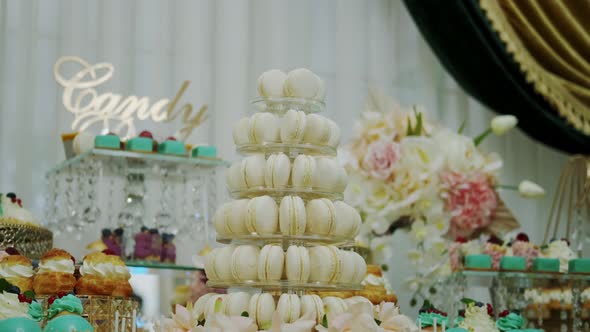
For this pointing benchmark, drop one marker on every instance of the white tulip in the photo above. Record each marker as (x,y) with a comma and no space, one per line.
(529,189)
(502,123)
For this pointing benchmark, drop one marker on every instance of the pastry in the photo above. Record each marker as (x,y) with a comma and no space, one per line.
(430,318)
(230,218)
(541,264)
(334,305)
(235,304)
(478,316)
(103,274)
(241,132)
(317,130)
(277,171)
(261,308)
(244,263)
(561,250)
(262,215)
(109,141)
(478,262)
(264,128)
(83,142)
(16,314)
(216,264)
(292,216)
(17,270)
(12,211)
(270,263)
(293,126)
(204,151)
(55,274)
(312,306)
(321,217)
(348,220)
(144,143)
(302,83)
(289,307)
(324,264)
(328,175)
(172,147)
(510,321)
(579,265)
(303,171)
(297,264)
(270,83)
(513,263)
(64,314)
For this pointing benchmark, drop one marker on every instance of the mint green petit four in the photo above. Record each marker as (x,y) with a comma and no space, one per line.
(205,151)
(513,263)
(172,147)
(18,324)
(478,262)
(545,264)
(68,323)
(107,142)
(579,265)
(142,144)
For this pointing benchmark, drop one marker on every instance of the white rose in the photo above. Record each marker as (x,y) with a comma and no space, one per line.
(503,123)
(460,151)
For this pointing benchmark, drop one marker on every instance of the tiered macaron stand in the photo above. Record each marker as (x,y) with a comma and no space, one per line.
(104,188)
(279,106)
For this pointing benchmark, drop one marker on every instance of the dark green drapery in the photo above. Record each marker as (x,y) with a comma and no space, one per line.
(461,36)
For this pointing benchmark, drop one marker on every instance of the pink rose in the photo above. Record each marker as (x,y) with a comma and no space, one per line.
(381,158)
(472,201)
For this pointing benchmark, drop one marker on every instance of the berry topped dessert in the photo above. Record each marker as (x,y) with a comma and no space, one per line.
(143,143)
(64,314)
(478,317)
(429,317)
(172,147)
(15,313)
(12,211)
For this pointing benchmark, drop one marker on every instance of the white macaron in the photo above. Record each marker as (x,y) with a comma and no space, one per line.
(230,218)
(253,171)
(278,171)
(347,267)
(317,130)
(293,126)
(200,306)
(222,268)
(234,177)
(289,307)
(271,263)
(213,302)
(234,304)
(244,263)
(312,306)
(297,264)
(348,220)
(334,305)
(271,83)
(304,168)
(261,308)
(210,265)
(264,128)
(292,216)
(303,83)
(324,264)
(321,217)
(263,216)
(360,267)
(328,174)
(241,131)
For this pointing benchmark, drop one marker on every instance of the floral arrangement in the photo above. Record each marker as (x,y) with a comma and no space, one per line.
(361,316)
(408,173)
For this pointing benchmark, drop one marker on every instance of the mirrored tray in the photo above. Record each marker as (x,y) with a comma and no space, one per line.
(292,150)
(286,240)
(283,104)
(278,194)
(283,285)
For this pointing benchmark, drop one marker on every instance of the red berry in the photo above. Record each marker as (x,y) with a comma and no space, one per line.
(504,313)
(12,251)
(522,237)
(20,202)
(22,298)
(13,200)
(490,309)
(51,300)
(146,134)
(495,240)
(61,294)
(109,252)
(171,138)
(461,239)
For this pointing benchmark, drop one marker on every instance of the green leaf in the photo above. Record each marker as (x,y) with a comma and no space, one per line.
(30,294)
(413,302)
(462,127)
(432,290)
(325,321)
(467,301)
(4,285)
(378,322)
(245,314)
(545,246)
(427,305)
(385,267)
(202,322)
(477,141)
(418,130)
(410,130)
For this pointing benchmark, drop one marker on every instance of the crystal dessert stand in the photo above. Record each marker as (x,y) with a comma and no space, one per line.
(279,106)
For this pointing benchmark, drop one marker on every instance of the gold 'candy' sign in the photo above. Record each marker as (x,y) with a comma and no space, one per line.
(90,108)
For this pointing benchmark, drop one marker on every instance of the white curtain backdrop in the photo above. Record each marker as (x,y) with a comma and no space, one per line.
(222,46)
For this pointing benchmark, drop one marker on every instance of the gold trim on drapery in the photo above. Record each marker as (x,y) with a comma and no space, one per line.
(550,41)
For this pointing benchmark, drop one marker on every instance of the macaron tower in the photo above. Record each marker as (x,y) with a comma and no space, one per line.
(287,222)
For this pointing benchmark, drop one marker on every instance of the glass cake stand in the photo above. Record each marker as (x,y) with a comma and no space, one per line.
(278,194)
(291,150)
(281,105)
(287,240)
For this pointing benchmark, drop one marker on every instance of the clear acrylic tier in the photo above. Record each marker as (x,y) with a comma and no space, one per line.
(291,150)
(287,240)
(283,285)
(112,188)
(283,104)
(278,194)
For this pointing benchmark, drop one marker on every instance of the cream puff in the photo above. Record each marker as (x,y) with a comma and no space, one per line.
(103,274)
(17,270)
(55,274)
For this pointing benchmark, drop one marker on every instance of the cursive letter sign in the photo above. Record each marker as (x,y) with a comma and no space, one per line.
(89,108)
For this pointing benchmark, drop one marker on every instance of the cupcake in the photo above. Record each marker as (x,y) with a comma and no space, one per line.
(12,211)
(103,274)
(522,247)
(55,274)
(14,314)
(429,317)
(478,318)
(17,270)
(64,315)
(509,320)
